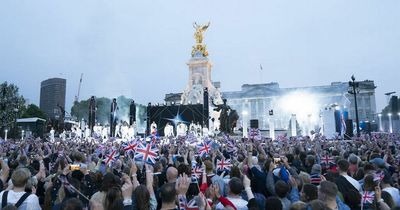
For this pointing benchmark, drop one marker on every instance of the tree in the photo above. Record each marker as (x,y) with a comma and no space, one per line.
(12,105)
(34,111)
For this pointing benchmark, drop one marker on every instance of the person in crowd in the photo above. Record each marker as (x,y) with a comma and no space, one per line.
(77,174)
(16,195)
(327,193)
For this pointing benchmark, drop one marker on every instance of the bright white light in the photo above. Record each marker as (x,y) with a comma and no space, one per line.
(379,115)
(300,103)
(337,108)
(244,112)
(389,114)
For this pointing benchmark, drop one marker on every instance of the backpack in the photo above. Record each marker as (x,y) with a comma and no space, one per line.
(19,202)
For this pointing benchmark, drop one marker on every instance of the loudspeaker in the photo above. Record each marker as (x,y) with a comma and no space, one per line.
(394,105)
(349,128)
(254,123)
(132,112)
(271,112)
(368,127)
(92,112)
(205,107)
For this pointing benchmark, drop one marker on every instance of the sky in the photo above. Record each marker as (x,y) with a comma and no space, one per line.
(140,48)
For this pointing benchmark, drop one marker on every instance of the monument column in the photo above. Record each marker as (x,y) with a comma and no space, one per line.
(200,72)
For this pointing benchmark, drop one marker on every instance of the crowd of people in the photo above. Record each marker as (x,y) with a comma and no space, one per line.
(200,173)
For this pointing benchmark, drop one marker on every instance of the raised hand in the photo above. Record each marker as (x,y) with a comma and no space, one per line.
(182,184)
(246,181)
(293,182)
(127,188)
(134,168)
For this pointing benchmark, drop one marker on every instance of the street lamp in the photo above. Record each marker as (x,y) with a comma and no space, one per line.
(380,122)
(5,134)
(390,123)
(244,116)
(354,86)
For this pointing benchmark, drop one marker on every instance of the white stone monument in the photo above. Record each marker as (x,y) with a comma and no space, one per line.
(200,72)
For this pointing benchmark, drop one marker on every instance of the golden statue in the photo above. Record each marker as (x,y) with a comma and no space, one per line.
(198,35)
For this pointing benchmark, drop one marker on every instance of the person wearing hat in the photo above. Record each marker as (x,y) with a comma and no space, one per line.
(316,174)
(378,162)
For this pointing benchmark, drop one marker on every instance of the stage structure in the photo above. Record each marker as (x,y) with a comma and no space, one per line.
(174,114)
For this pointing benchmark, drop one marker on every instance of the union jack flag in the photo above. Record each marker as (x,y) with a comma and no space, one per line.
(155,138)
(231,148)
(326,160)
(147,153)
(255,134)
(131,146)
(192,205)
(182,202)
(204,148)
(197,171)
(368,197)
(224,165)
(378,176)
(191,138)
(112,157)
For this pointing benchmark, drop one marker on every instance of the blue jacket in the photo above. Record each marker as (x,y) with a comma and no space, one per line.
(341,205)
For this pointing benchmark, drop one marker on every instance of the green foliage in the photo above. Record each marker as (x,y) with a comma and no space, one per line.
(34,111)
(11,105)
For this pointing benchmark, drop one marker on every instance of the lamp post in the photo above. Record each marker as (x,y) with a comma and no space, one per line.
(354,86)
(398,128)
(380,122)
(244,116)
(271,124)
(390,123)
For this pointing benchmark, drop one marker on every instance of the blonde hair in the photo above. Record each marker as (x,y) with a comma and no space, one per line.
(20,177)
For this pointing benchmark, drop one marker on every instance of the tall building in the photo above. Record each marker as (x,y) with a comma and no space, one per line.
(52,93)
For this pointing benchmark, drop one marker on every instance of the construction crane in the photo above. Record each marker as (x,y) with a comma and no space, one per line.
(79,89)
